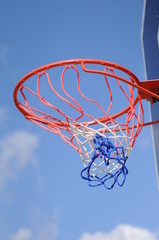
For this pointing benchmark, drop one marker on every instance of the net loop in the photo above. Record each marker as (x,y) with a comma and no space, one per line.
(109,156)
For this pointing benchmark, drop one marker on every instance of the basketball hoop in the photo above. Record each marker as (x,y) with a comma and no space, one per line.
(103,138)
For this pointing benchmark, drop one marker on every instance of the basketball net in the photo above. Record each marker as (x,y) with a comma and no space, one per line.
(103,143)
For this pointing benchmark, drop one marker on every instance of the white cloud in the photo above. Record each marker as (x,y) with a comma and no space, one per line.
(17,151)
(22,234)
(122,232)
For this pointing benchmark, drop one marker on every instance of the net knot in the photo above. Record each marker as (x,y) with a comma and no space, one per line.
(41,73)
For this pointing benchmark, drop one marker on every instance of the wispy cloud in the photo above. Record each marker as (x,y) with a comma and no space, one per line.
(4,53)
(48,231)
(17,151)
(22,234)
(3,115)
(122,232)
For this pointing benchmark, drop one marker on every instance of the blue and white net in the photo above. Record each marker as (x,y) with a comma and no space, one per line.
(104,154)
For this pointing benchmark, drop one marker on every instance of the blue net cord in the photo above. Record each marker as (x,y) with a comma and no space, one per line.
(111,168)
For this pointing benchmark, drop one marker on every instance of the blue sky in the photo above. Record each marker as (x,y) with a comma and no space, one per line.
(41,191)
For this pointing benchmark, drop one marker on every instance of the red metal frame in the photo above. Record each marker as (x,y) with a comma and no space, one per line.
(146,89)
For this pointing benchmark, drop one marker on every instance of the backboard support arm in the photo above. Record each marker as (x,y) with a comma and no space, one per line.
(151,85)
